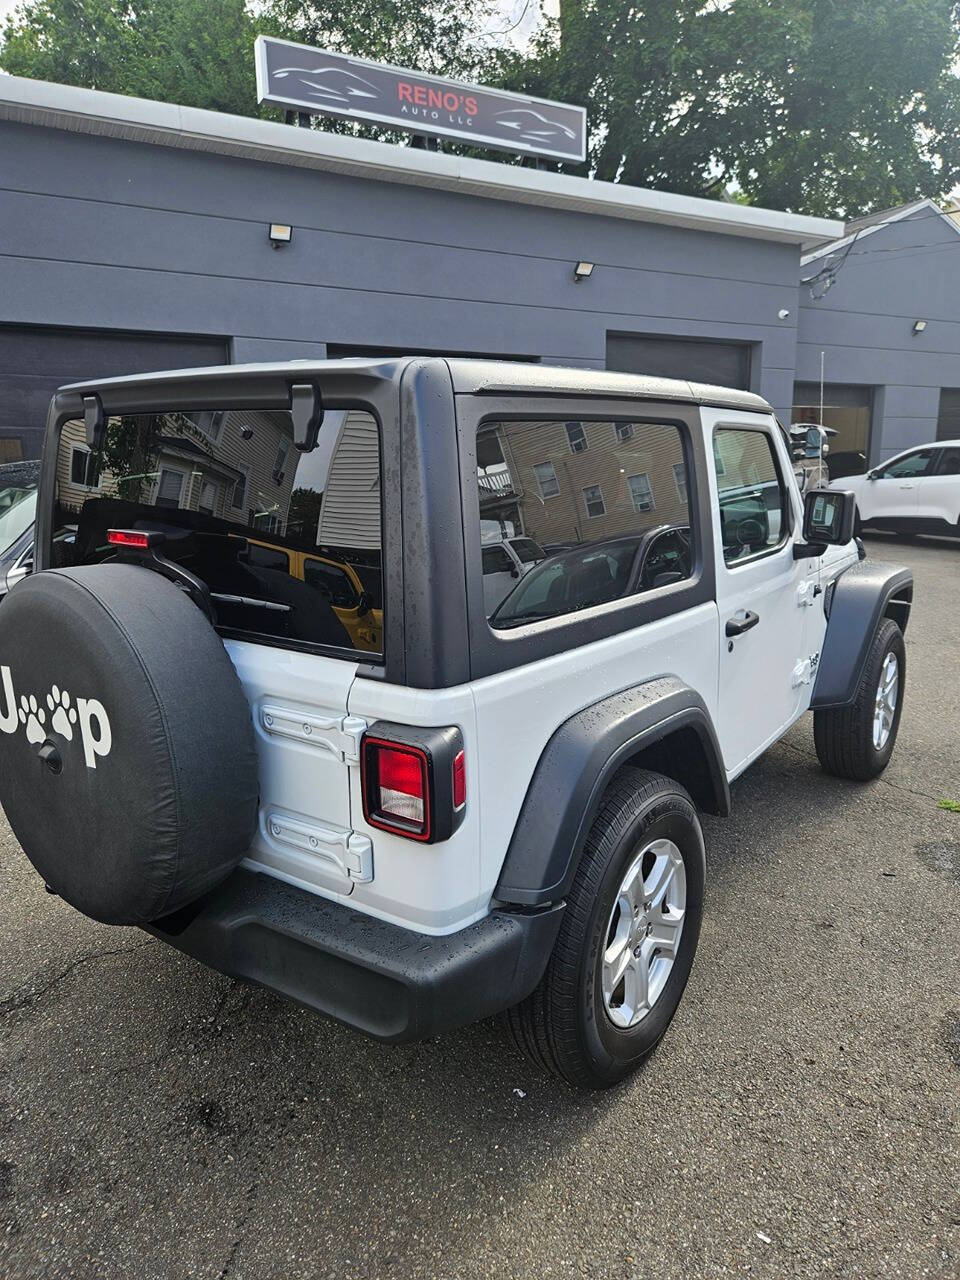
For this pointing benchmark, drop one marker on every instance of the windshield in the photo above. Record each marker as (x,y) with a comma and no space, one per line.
(18,506)
(288,544)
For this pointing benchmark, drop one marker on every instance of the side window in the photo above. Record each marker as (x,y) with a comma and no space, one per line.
(268,558)
(592,496)
(913,465)
(331,581)
(752,498)
(496,560)
(949,464)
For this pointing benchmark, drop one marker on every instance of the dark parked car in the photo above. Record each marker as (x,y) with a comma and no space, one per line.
(18,503)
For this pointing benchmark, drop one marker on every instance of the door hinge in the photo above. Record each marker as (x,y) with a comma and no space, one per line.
(339,735)
(350,852)
(807,593)
(805,671)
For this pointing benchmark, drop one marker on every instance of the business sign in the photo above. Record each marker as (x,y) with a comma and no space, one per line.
(333,84)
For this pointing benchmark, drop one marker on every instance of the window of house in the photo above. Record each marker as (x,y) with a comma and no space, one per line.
(593,500)
(640,492)
(751,494)
(607,505)
(238,495)
(207,502)
(280,462)
(546,479)
(84,469)
(576,437)
(169,488)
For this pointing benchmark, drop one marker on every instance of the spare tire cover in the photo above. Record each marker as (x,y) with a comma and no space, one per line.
(128,768)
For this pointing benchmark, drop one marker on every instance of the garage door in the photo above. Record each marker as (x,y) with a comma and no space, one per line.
(725,364)
(34,362)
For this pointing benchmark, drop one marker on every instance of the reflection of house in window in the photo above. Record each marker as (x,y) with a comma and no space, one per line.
(546,479)
(680,480)
(84,470)
(350,511)
(593,500)
(624,431)
(498,487)
(576,437)
(640,492)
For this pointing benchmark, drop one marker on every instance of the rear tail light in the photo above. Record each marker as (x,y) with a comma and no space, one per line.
(413,781)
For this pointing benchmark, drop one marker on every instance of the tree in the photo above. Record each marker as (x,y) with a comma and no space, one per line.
(821,106)
(193,52)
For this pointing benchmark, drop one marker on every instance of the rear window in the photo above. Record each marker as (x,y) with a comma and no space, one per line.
(289,544)
(601,510)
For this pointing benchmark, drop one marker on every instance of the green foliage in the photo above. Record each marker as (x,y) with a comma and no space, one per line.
(194,52)
(820,106)
(951,806)
(303,519)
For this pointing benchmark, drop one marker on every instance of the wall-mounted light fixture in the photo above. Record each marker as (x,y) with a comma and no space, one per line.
(280,234)
(582,271)
(919,326)
(783,313)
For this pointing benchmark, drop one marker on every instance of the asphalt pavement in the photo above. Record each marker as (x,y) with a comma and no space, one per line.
(801,1118)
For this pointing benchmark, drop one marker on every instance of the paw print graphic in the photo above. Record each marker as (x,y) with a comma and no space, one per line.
(33,716)
(64,716)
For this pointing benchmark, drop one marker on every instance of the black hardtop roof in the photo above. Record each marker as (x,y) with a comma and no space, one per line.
(477,377)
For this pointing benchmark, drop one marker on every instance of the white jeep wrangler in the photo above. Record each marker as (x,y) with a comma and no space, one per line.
(259,704)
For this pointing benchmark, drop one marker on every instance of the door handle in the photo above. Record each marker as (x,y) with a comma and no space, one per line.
(737,626)
(908,486)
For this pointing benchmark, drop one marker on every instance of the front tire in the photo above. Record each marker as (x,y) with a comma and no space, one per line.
(857,742)
(628,938)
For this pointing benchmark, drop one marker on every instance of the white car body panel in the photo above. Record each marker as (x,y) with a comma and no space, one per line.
(310,783)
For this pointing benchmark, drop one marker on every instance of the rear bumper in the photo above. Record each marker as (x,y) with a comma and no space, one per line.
(392,983)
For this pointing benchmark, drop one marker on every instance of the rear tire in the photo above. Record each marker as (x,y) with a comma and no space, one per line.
(581,1024)
(857,742)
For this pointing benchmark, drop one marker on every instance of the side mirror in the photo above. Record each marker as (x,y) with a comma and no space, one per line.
(514,571)
(828,520)
(364,604)
(873,475)
(667,578)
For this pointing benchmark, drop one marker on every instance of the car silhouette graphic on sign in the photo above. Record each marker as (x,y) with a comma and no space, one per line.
(532,126)
(333,84)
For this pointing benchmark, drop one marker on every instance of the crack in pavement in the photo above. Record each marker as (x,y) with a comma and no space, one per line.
(20,1001)
(881,780)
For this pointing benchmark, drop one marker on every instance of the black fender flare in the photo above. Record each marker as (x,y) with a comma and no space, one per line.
(577,764)
(854,604)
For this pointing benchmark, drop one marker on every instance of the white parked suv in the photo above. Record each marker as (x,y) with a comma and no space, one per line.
(394,804)
(918,491)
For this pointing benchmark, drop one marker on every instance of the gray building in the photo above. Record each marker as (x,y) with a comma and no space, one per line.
(882,309)
(134,235)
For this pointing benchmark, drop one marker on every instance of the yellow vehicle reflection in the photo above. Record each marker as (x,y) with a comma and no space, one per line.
(337,581)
